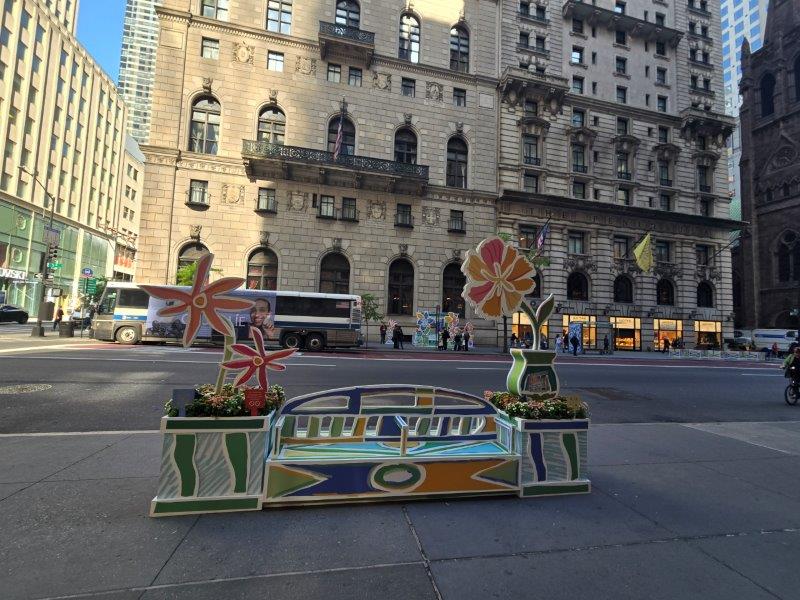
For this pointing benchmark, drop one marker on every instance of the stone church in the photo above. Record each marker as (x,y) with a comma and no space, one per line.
(766,274)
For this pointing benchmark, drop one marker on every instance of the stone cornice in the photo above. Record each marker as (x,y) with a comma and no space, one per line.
(622,110)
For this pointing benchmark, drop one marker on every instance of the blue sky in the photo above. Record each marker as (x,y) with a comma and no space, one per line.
(100,31)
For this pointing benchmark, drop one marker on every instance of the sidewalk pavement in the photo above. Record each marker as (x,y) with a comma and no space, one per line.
(677,511)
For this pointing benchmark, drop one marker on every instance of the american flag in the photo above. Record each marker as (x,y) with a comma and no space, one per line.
(542,236)
(337,148)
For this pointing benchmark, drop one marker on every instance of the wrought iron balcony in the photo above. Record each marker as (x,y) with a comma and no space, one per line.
(705,189)
(345,41)
(701,90)
(404,219)
(701,63)
(532,160)
(457,226)
(534,18)
(544,52)
(666,182)
(580,168)
(697,9)
(626,175)
(268,160)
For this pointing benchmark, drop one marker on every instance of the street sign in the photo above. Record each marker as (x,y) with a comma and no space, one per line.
(54,265)
(87,272)
(90,286)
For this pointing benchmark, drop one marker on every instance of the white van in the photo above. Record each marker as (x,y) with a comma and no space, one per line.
(764,338)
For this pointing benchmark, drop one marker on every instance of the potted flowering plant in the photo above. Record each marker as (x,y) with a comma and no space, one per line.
(551,430)
(215,440)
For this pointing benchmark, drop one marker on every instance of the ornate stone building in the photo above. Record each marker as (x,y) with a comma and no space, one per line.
(767,264)
(459,119)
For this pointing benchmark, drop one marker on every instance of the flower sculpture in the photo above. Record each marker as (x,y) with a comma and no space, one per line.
(255,361)
(203,300)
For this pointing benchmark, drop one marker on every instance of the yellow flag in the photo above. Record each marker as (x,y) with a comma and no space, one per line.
(644,254)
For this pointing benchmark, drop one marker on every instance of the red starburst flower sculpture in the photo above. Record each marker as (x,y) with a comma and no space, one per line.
(203,300)
(256,360)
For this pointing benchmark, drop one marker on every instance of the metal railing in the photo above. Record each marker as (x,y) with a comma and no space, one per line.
(706,189)
(580,168)
(345,32)
(532,160)
(666,182)
(626,175)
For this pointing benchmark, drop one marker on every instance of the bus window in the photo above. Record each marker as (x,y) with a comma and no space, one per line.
(312,307)
(133,298)
(109,302)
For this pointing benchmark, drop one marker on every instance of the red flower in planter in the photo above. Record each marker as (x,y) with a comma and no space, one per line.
(256,360)
(203,300)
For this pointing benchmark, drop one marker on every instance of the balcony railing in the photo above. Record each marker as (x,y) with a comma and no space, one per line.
(345,41)
(267,205)
(701,63)
(580,168)
(403,219)
(706,189)
(535,49)
(257,149)
(346,32)
(349,213)
(666,182)
(534,17)
(700,11)
(702,90)
(457,226)
(532,160)
(626,175)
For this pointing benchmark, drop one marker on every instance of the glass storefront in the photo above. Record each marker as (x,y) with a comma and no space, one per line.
(708,335)
(589,323)
(627,333)
(667,329)
(521,326)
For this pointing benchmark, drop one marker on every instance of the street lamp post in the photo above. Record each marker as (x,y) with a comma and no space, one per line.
(38,329)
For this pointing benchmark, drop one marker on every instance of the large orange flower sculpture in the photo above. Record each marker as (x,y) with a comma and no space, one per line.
(498,277)
(203,300)
(256,361)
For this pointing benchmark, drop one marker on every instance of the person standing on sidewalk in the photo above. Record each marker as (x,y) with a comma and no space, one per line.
(399,331)
(396,337)
(466,341)
(382,330)
(445,339)
(559,344)
(666,345)
(605,344)
(574,341)
(457,341)
(58,318)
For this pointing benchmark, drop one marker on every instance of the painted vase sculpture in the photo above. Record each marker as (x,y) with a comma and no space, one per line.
(532,374)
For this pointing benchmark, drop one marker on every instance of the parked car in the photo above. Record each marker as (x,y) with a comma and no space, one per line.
(12,314)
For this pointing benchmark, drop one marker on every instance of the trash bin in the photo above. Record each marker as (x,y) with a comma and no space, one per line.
(66,329)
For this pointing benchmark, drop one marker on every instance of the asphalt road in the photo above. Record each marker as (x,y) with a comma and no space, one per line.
(121,388)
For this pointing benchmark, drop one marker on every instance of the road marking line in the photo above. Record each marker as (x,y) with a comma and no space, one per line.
(83,433)
(87,346)
(761,374)
(481,369)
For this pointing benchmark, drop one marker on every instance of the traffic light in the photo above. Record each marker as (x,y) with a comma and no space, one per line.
(52,252)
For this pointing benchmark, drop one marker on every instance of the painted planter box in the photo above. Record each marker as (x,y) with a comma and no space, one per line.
(211,464)
(553,455)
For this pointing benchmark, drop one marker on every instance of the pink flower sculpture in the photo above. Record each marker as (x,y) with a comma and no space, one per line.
(256,360)
(203,300)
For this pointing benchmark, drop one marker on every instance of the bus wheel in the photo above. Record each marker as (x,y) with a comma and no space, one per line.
(292,340)
(315,342)
(127,335)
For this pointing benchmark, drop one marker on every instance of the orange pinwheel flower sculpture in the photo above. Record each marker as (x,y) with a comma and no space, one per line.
(256,360)
(203,300)
(498,277)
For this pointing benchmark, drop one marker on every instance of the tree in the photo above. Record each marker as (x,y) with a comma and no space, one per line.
(370,311)
(185,275)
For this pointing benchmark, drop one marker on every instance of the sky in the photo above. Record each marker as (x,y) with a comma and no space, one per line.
(100,31)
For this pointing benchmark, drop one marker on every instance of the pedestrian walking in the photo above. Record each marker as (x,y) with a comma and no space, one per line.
(400,336)
(396,337)
(559,344)
(574,341)
(382,330)
(528,340)
(457,341)
(565,337)
(466,341)
(666,345)
(605,344)
(512,342)
(58,318)
(445,339)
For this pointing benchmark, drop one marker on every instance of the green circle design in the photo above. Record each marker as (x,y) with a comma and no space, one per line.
(381,473)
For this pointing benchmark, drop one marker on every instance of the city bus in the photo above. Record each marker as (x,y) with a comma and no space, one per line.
(128,315)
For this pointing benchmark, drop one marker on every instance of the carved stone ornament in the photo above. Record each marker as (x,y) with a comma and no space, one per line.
(456,254)
(232,194)
(306,65)
(298,201)
(263,238)
(430,216)
(668,270)
(194,232)
(434,91)
(273,96)
(404,249)
(382,81)
(784,157)
(407,117)
(377,210)
(207,83)
(243,53)
(580,262)
(337,244)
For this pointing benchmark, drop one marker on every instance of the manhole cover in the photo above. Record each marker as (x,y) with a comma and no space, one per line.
(25,388)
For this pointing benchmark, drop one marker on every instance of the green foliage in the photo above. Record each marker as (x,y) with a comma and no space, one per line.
(370,309)
(228,403)
(185,275)
(560,407)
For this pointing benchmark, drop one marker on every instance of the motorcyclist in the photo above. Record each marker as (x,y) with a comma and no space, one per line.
(792,366)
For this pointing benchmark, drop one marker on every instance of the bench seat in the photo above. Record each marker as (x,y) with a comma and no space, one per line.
(377,450)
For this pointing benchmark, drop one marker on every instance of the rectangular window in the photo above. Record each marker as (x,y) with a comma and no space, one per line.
(622,94)
(619,7)
(527,236)
(662,104)
(703,254)
(267,200)
(577,26)
(530,150)
(209,49)
(579,190)
(525,7)
(661,75)
(705,207)
(620,247)
(524,39)
(662,251)
(354,77)
(660,19)
(279,16)
(403,216)
(594,58)
(624,196)
(275,61)
(349,211)
(665,202)
(577,55)
(531,183)
(541,12)
(623,172)
(198,192)
(622,126)
(575,242)
(408,87)
(531,108)
(621,38)
(579,158)
(459,97)
(456,221)
(334,73)
(622,65)
(327,207)
(540,43)
(578,117)
(663,134)
(216,9)
(661,49)
(577,85)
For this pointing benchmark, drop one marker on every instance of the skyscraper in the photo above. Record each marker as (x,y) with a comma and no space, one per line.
(137,64)
(739,19)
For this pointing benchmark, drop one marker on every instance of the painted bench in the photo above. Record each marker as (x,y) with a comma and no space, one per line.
(389,441)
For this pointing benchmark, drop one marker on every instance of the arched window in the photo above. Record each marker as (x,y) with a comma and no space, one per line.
(405,146)
(459,49)
(788,257)
(348,136)
(262,270)
(334,274)
(665,293)
(453,282)
(705,295)
(623,289)
(401,287)
(204,130)
(767,95)
(271,125)
(577,287)
(457,163)
(348,12)
(409,38)
(190,254)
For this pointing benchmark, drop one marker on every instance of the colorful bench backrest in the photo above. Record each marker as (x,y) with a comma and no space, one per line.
(388,413)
